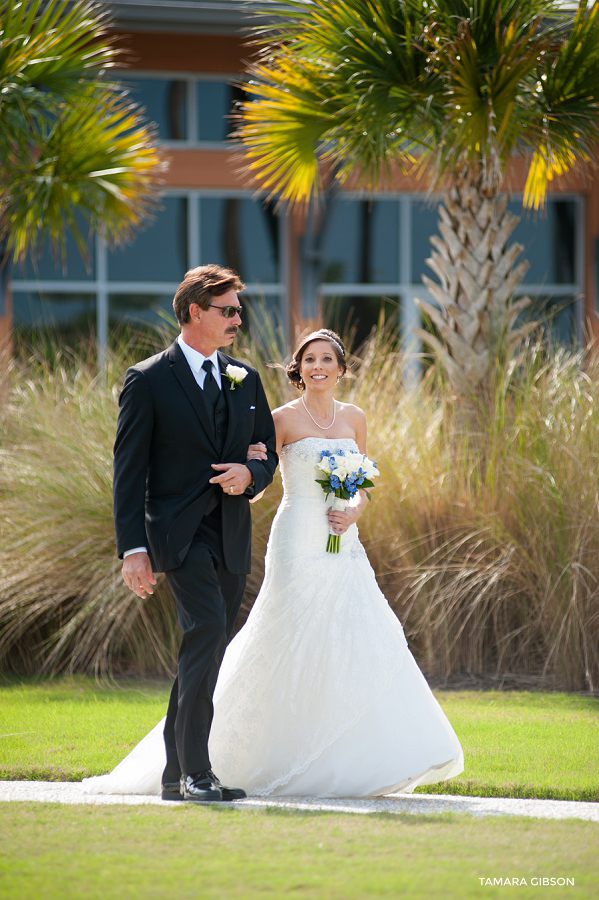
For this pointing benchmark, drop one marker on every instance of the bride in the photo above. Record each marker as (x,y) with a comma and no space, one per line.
(318,694)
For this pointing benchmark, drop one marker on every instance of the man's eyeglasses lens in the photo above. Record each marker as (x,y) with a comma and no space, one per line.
(227,311)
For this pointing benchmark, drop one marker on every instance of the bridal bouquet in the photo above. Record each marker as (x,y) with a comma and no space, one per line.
(344,475)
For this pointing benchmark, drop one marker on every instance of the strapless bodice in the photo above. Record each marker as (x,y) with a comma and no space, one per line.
(298,464)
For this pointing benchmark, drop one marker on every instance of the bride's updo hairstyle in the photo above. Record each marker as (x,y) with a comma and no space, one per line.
(323,334)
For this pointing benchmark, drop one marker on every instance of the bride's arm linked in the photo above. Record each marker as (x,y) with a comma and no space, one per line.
(257,451)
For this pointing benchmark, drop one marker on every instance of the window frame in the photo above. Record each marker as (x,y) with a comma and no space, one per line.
(407,290)
(192,142)
(102,287)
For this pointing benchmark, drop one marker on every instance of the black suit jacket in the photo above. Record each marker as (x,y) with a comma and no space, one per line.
(164,448)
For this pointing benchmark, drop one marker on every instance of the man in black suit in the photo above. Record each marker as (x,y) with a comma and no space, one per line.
(182,484)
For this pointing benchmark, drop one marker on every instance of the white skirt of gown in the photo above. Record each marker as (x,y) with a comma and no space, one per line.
(318,694)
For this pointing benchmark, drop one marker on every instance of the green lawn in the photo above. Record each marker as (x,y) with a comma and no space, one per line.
(524,744)
(67,853)
(65,729)
(517,744)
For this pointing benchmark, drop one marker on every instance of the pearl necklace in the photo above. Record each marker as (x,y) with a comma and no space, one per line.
(324,427)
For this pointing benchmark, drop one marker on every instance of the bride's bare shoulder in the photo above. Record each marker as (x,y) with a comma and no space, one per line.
(286,412)
(352,412)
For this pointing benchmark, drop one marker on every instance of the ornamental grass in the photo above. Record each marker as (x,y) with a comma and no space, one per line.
(483,530)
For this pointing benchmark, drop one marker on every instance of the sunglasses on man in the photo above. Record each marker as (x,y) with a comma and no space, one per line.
(228,311)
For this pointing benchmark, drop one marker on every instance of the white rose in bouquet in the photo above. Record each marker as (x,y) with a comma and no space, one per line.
(370,468)
(324,465)
(355,460)
(341,469)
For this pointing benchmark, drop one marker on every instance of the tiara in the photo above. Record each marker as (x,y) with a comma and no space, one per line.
(326,337)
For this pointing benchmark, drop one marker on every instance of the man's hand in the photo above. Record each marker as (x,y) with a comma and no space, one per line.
(257,451)
(234,477)
(137,574)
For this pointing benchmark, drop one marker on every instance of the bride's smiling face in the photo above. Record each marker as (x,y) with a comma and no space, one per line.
(319,367)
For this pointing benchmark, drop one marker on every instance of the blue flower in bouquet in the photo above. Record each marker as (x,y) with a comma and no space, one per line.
(350,484)
(343,474)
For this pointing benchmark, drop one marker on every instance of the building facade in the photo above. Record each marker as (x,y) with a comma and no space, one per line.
(186,60)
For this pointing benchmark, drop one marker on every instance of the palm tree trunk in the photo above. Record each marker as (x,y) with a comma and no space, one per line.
(477,316)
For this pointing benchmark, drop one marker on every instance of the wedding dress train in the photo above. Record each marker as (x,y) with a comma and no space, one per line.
(318,694)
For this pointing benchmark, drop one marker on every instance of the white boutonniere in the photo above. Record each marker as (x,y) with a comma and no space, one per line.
(235,374)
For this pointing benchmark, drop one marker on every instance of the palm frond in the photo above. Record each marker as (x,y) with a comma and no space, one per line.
(97,158)
(284,126)
(70,141)
(460,84)
(339,82)
(486,94)
(566,121)
(50,45)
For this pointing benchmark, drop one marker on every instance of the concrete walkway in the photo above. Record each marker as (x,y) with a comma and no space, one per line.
(416,804)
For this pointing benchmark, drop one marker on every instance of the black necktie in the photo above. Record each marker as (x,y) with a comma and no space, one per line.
(211,388)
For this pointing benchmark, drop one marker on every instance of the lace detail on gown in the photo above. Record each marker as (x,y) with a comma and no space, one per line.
(318,694)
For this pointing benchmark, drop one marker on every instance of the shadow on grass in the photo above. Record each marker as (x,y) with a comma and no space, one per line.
(404,818)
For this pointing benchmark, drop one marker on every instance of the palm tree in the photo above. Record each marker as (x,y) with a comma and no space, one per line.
(71,142)
(453,88)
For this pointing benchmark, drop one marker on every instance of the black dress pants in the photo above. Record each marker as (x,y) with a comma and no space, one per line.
(208,598)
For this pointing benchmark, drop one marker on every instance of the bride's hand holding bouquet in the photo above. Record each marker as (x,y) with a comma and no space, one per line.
(344,475)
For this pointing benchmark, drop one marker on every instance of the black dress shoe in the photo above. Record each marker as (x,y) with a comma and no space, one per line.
(228,793)
(200,788)
(171,790)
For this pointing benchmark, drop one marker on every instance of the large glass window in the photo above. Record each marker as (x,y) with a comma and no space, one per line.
(133,285)
(548,238)
(142,309)
(559,315)
(361,249)
(216,101)
(243,234)
(165,103)
(368,252)
(50,265)
(425,222)
(68,314)
(354,316)
(362,242)
(187,109)
(159,252)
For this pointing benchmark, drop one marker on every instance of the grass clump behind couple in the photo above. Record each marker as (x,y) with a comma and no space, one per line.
(483,531)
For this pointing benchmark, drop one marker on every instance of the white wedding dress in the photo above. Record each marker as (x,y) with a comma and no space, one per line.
(318,694)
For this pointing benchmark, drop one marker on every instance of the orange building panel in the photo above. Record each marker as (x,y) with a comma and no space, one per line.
(164,52)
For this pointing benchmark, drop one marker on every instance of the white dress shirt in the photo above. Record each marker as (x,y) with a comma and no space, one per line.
(196,361)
